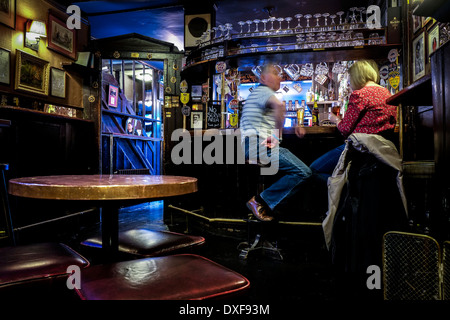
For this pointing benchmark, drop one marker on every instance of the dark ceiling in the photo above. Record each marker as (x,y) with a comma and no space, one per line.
(164,19)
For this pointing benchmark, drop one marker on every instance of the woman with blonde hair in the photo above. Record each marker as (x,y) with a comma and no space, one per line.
(367,112)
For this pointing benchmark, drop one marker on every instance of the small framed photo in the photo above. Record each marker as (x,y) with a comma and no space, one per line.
(5,66)
(134,127)
(433,40)
(196,92)
(417,23)
(113,96)
(57,83)
(8,13)
(32,73)
(60,38)
(425,20)
(196,120)
(418,50)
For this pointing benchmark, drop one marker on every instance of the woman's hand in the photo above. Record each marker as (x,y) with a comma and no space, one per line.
(334,118)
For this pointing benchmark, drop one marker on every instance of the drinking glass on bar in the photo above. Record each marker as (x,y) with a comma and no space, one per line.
(271,19)
(264,21)
(353,22)
(241,23)
(256,21)
(317,16)
(341,26)
(307,17)
(280,20)
(298,29)
(288,28)
(333,23)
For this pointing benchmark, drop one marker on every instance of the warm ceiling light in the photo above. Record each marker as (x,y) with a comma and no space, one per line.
(33,32)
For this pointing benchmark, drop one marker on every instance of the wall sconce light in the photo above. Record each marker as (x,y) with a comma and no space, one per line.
(34,30)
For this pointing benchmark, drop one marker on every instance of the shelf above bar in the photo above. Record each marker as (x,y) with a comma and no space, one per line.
(416,94)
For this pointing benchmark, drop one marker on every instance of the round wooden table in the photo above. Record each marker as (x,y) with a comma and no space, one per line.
(110,191)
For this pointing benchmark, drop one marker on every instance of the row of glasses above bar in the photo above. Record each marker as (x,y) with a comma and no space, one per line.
(272,26)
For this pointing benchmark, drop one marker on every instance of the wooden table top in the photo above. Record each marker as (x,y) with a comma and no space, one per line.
(102,187)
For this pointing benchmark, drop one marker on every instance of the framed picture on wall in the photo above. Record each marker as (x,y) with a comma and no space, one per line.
(60,38)
(417,23)
(196,120)
(433,40)
(57,82)
(5,66)
(113,96)
(32,73)
(418,50)
(8,13)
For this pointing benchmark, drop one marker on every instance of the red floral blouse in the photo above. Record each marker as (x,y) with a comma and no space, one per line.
(378,115)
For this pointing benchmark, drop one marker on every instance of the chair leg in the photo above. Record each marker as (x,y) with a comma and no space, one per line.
(5,204)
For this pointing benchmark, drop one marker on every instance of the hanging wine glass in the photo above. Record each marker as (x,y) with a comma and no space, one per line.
(288,28)
(317,16)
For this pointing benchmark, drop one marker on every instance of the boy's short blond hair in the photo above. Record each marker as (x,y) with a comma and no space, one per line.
(363,71)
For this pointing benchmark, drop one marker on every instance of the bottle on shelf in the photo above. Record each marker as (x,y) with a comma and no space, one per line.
(315,114)
(301,114)
(316,95)
(308,95)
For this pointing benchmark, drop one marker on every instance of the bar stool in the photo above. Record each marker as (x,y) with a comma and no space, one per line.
(149,243)
(259,241)
(175,277)
(27,269)
(37,270)
(4,204)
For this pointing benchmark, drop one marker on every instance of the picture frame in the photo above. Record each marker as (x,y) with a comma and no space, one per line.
(418,50)
(196,120)
(8,13)
(57,82)
(425,20)
(113,96)
(60,38)
(32,73)
(433,40)
(417,23)
(134,127)
(196,92)
(5,66)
